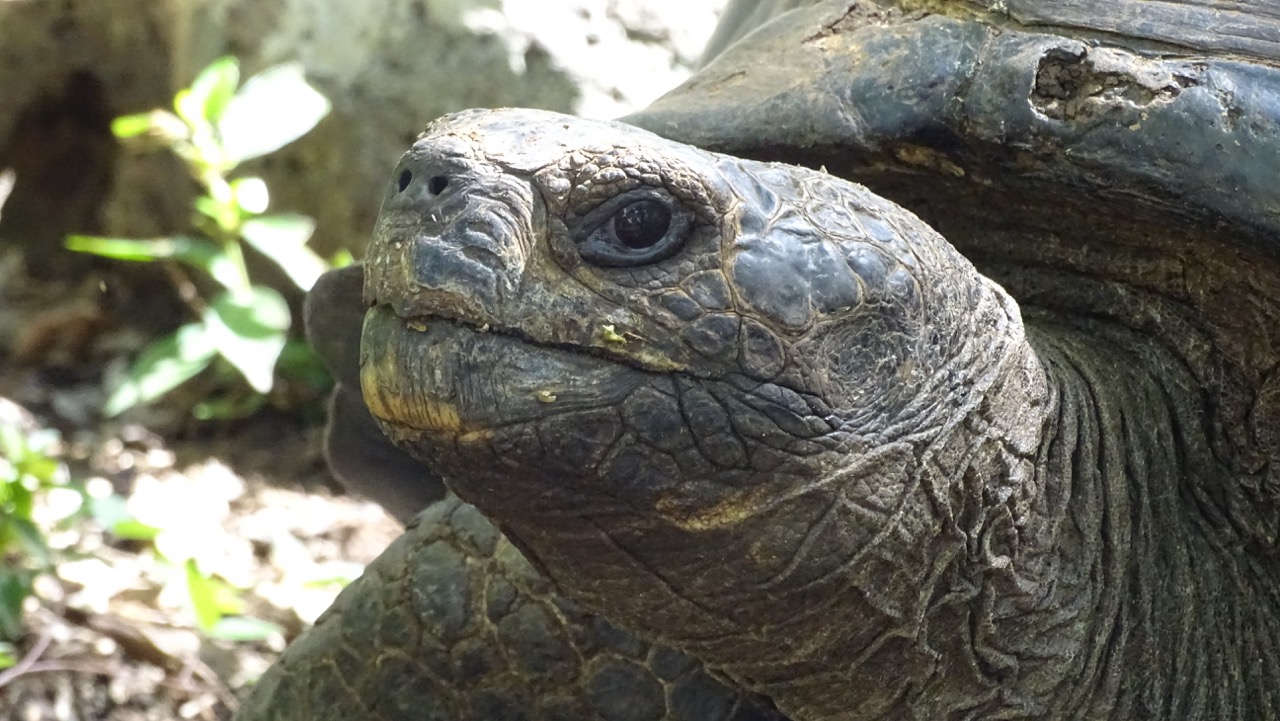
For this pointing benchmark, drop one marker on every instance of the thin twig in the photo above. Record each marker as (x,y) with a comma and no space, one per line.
(28,660)
(65,666)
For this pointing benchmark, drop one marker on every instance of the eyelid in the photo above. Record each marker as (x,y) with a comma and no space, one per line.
(598,220)
(601,214)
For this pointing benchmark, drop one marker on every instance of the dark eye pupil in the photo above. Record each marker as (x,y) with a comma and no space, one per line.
(642,224)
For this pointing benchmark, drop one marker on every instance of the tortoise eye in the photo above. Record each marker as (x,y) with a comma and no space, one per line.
(642,224)
(633,229)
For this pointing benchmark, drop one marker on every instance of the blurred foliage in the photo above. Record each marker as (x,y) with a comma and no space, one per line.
(177,531)
(217,124)
(26,471)
(31,474)
(239,336)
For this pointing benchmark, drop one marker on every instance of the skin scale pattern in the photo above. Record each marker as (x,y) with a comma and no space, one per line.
(1097,534)
(903,506)
(649,508)
(452,624)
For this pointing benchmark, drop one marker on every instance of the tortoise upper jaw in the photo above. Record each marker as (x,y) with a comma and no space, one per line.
(456,288)
(447,379)
(451,237)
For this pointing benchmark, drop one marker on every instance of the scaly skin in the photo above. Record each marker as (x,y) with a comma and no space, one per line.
(811,445)
(452,624)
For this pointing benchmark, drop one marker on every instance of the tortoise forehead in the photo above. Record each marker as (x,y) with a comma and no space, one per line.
(526,141)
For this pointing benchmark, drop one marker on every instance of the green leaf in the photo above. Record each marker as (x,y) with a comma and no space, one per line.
(8,655)
(113,513)
(248,329)
(230,407)
(272,109)
(209,93)
(130,126)
(31,540)
(188,106)
(15,586)
(122,248)
(160,124)
(19,500)
(343,575)
(163,366)
(299,362)
(211,597)
(243,628)
(13,446)
(199,253)
(134,530)
(341,259)
(204,596)
(283,238)
(44,469)
(209,208)
(217,83)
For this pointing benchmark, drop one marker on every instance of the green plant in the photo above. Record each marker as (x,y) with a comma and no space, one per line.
(177,531)
(176,527)
(218,124)
(27,469)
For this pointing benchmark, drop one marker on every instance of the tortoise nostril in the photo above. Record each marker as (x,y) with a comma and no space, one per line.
(437,184)
(405,178)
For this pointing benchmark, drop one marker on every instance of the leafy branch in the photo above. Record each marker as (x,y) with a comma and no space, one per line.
(216,125)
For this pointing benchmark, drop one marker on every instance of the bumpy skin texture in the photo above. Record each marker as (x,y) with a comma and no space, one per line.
(807,441)
(452,624)
(813,446)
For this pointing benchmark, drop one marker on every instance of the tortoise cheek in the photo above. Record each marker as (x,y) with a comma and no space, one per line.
(772,286)
(760,353)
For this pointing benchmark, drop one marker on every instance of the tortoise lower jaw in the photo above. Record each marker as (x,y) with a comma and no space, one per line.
(431,375)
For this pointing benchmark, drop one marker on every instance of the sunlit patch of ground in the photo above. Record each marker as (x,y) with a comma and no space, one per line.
(110,634)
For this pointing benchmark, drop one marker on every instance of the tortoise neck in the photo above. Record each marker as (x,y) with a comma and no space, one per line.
(1057,619)
(1137,608)
(1067,573)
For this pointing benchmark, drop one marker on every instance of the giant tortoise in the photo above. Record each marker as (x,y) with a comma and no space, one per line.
(916,359)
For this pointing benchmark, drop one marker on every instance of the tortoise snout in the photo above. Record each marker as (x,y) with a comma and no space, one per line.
(450,239)
(411,184)
(423,182)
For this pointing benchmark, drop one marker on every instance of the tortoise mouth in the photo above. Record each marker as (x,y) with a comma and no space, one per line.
(430,374)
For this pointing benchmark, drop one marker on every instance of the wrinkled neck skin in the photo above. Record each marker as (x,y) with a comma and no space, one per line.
(1021,552)
(863,486)
(1164,599)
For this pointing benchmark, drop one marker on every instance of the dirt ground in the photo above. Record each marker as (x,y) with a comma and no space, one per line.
(109,635)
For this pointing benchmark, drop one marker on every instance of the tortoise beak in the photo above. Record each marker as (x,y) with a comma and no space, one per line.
(447,379)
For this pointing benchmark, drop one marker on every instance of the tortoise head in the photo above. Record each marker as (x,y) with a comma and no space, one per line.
(755,411)
(677,379)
